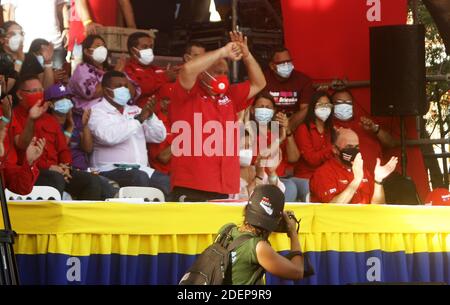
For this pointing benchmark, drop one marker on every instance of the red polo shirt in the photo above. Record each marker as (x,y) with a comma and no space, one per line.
(56,150)
(149,78)
(369,145)
(291,93)
(204,172)
(315,148)
(19,179)
(332,178)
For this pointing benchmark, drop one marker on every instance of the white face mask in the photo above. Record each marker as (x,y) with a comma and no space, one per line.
(100,54)
(323,113)
(245,157)
(343,112)
(264,115)
(41,60)
(285,70)
(15,42)
(146,56)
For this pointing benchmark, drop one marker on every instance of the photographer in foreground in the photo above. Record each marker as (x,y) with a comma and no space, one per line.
(263,215)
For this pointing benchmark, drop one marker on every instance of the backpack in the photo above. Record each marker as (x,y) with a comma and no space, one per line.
(213,266)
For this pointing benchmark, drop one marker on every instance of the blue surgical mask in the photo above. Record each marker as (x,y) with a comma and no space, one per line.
(121,95)
(63,106)
(343,112)
(41,60)
(285,69)
(264,115)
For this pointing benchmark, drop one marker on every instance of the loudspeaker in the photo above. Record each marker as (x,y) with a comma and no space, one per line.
(397,70)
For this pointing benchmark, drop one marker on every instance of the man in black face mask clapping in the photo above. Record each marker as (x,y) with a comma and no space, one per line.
(343,179)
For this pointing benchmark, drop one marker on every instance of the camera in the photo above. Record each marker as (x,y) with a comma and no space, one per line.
(282,225)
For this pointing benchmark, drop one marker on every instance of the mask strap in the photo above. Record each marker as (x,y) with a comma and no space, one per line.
(209,75)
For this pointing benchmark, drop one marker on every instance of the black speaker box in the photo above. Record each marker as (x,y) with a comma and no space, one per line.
(397,70)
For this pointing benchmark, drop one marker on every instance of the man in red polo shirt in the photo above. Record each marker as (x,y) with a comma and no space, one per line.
(140,69)
(291,89)
(32,120)
(19,177)
(202,96)
(343,179)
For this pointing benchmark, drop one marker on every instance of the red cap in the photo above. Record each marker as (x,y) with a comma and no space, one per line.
(439,196)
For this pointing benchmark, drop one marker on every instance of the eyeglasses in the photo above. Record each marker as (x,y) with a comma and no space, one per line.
(324,105)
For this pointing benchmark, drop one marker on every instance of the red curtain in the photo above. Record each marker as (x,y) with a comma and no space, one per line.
(329,39)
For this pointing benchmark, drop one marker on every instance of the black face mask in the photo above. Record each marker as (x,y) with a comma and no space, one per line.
(347,155)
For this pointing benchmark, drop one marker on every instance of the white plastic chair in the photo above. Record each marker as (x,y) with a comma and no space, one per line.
(150,194)
(308,198)
(38,193)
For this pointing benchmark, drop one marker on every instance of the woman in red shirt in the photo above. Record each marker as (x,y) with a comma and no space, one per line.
(313,138)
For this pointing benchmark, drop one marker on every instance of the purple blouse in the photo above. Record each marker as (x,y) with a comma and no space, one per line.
(83,83)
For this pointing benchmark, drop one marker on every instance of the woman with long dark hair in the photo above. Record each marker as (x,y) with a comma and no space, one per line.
(313,138)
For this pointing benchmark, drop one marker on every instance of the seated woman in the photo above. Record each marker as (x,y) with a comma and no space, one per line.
(85,82)
(38,61)
(257,174)
(270,139)
(313,138)
(78,135)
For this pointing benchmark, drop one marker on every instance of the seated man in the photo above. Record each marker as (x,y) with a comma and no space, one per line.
(343,178)
(32,120)
(78,135)
(120,135)
(19,179)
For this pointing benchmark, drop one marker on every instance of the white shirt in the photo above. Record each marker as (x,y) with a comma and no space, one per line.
(38,19)
(120,139)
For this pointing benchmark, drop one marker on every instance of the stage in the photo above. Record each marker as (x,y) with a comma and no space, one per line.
(117,243)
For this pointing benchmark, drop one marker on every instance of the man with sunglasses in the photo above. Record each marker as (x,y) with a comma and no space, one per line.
(343,179)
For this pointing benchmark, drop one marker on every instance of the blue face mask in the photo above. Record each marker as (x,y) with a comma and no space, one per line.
(63,106)
(285,70)
(122,95)
(263,115)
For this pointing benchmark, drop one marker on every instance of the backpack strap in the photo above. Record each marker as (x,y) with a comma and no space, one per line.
(238,241)
(225,233)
